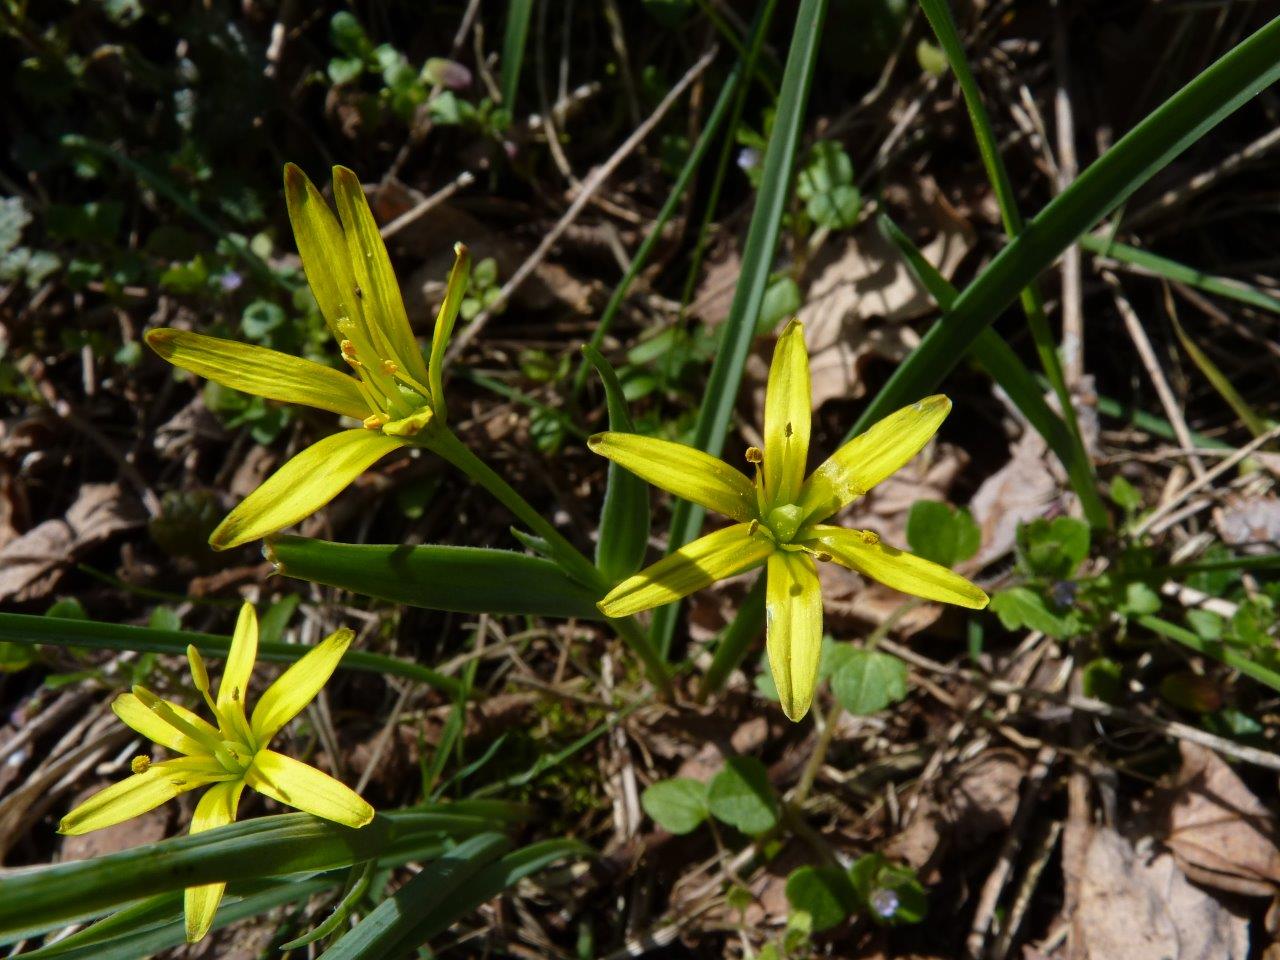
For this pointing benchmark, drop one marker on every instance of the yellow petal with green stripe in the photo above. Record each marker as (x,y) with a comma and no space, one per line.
(376,280)
(141,792)
(325,258)
(704,561)
(303,485)
(261,372)
(142,719)
(896,568)
(234,685)
(870,457)
(295,783)
(685,471)
(216,808)
(448,313)
(793,617)
(787,417)
(297,686)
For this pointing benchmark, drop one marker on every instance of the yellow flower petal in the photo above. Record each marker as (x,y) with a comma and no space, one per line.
(786,418)
(870,457)
(685,471)
(793,608)
(323,249)
(708,559)
(234,685)
(262,372)
(295,783)
(303,485)
(375,279)
(453,293)
(216,808)
(896,568)
(141,792)
(142,719)
(297,686)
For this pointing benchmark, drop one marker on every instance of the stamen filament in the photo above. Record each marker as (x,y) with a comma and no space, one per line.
(371,368)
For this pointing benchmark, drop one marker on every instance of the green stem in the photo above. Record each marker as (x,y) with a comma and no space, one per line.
(447,445)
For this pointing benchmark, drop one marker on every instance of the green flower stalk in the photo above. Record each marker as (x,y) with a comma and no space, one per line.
(779,519)
(225,756)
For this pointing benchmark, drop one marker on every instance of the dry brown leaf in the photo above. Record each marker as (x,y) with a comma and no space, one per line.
(1137,906)
(1019,491)
(867,280)
(31,565)
(1250,521)
(1220,833)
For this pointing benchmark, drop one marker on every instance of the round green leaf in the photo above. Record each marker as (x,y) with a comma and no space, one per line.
(825,893)
(742,796)
(868,681)
(678,805)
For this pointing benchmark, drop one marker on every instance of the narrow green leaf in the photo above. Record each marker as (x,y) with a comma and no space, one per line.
(624,518)
(1183,119)
(394,919)
(1212,649)
(513,43)
(1179,272)
(358,886)
(1006,369)
(461,579)
(1222,383)
(58,631)
(249,850)
(757,261)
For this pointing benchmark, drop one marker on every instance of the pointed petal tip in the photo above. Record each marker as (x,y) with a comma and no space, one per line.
(795,712)
(460,250)
(596,439)
(158,337)
(793,325)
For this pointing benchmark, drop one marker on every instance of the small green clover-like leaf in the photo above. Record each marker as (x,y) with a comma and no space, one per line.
(1101,679)
(942,533)
(781,300)
(1053,548)
(825,893)
(678,805)
(868,681)
(1207,624)
(1022,607)
(1124,494)
(826,187)
(742,796)
(1139,599)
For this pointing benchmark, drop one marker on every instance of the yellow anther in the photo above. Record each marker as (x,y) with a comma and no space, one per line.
(869,537)
(376,421)
(140,764)
(823,556)
(389,367)
(752,527)
(349,353)
(198,672)
(755,455)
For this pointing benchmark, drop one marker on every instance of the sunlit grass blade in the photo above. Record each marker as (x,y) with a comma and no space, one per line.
(59,631)
(1181,120)
(1255,424)
(1214,650)
(757,260)
(944,27)
(250,850)
(460,579)
(1156,265)
(1004,366)
(382,932)
(156,923)
(624,517)
(514,39)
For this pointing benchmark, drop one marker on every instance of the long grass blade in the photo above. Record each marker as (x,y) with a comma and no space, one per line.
(757,259)
(514,39)
(60,631)
(1180,121)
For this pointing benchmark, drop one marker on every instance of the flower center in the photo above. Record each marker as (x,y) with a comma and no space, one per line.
(783,522)
(391,393)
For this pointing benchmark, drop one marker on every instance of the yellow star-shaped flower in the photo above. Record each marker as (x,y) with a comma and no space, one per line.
(394,393)
(779,518)
(227,757)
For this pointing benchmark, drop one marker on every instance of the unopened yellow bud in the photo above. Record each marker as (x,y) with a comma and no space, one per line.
(198,672)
